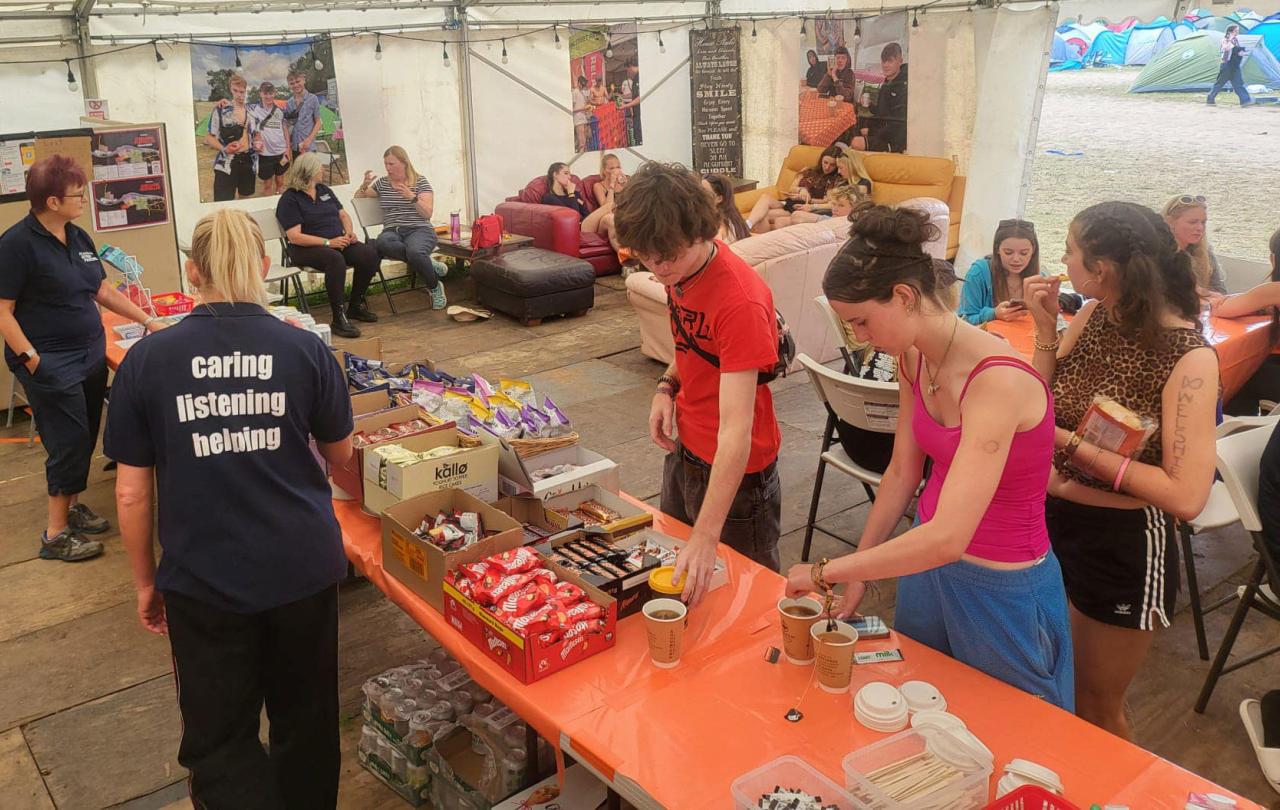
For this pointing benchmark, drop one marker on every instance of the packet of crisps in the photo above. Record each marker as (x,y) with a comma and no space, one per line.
(518,390)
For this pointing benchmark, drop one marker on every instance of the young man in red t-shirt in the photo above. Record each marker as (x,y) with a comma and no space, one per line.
(721,475)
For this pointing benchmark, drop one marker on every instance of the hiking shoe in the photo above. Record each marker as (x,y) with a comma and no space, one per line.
(341,327)
(441,268)
(68,546)
(438,301)
(84,520)
(361,312)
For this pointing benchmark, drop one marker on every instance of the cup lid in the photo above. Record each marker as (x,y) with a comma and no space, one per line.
(880,701)
(936,719)
(1035,772)
(661,580)
(921,695)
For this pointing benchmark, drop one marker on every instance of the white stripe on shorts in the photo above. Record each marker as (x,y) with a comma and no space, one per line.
(1148,584)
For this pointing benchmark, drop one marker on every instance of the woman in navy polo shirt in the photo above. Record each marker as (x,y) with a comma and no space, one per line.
(219,411)
(50,280)
(320,236)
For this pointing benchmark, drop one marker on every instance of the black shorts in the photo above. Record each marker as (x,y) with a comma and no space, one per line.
(240,181)
(270,166)
(1120,566)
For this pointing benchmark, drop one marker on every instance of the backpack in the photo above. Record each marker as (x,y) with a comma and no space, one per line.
(786,347)
(486,231)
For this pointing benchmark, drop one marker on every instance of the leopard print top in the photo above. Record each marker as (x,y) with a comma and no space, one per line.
(1104,361)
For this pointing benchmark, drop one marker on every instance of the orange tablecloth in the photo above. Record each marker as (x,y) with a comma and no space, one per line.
(823,119)
(1242,345)
(683,735)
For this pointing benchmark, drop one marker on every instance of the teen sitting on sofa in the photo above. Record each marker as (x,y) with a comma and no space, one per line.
(811,185)
(839,203)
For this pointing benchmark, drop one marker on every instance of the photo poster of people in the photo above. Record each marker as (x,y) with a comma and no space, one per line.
(604,80)
(258,106)
(128,178)
(853,89)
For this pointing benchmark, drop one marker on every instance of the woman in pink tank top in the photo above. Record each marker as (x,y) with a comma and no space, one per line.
(976,577)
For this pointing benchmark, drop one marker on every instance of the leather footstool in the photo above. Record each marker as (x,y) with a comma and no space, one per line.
(530,284)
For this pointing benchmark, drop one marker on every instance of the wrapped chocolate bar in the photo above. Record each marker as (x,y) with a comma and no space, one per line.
(516,561)
(551,472)
(354,362)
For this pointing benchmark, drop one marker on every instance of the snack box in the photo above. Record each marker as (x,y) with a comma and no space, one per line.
(368,348)
(474,470)
(421,564)
(350,476)
(529,660)
(368,402)
(531,512)
(516,473)
(633,517)
(632,591)
(581,791)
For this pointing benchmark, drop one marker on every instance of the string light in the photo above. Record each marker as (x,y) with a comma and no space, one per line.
(238,58)
(915,19)
(803,22)
(377,48)
(71,77)
(444,46)
(504,51)
(662,48)
(160,63)
(555,31)
(608,46)
(316,63)
(857,31)
(753,28)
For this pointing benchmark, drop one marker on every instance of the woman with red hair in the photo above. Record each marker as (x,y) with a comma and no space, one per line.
(50,283)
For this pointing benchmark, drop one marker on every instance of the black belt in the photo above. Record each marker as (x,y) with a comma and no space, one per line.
(747,478)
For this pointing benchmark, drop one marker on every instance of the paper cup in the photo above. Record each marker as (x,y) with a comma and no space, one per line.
(797,644)
(833,651)
(665,621)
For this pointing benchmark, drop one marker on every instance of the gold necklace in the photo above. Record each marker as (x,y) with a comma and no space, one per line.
(933,385)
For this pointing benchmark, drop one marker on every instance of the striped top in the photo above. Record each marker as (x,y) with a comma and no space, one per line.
(396,210)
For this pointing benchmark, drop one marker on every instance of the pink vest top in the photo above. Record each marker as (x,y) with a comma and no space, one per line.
(1013,528)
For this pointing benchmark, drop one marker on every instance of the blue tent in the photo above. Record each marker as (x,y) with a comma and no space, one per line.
(1108,48)
(1063,56)
(1270,33)
(1143,39)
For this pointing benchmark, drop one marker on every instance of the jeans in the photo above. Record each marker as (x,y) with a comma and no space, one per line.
(754,522)
(333,263)
(413,244)
(1230,74)
(227,666)
(66,395)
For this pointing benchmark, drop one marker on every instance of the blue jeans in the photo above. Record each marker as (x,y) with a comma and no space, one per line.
(1230,74)
(66,395)
(413,244)
(1012,625)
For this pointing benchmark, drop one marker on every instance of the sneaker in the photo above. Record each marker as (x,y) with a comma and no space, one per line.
(438,300)
(85,521)
(361,312)
(68,546)
(441,268)
(341,327)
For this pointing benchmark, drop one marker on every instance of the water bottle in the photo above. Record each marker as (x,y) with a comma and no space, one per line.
(455,227)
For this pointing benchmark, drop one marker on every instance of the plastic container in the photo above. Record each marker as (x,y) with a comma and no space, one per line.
(173,303)
(787,772)
(969,791)
(1031,796)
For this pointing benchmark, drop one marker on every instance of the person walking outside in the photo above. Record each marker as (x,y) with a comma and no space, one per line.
(1230,72)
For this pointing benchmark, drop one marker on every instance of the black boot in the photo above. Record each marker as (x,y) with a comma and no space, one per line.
(341,327)
(359,310)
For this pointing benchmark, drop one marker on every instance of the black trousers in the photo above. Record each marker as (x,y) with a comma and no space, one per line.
(227,665)
(66,395)
(360,256)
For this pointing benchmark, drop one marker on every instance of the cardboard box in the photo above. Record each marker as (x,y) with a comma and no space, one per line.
(633,518)
(473,470)
(516,474)
(421,565)
(371,402)
(458,774)
(532,512)
(350,476)
(368,348)
(581,791)
(528,659)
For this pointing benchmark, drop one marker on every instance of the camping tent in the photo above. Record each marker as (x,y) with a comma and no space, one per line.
(1219,24)
(1191,65)
(1198,14)
(1061,52)
(1107,48)
(1270,33)
(1143,39)
(1171,34)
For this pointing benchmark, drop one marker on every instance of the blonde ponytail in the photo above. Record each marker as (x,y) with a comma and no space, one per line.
(227,250)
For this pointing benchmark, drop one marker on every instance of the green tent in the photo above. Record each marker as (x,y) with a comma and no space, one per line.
(1191,65)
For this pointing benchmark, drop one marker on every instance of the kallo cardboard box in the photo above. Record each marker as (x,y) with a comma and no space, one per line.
(474,470)
(420,564)
(530,659)
(350,476)
(516,473)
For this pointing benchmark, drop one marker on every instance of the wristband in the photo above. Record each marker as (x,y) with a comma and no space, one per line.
(1124,467)
(669,381)
(1047,347)
(663,388)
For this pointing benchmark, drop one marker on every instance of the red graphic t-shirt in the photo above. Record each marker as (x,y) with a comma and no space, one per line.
(728,312)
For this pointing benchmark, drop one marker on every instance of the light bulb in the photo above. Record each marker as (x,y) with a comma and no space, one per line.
(555,31)
(662,48)
(803,22)
(319,65)
(71,78)
(504,52)
(915,19)
(445,48)
(238,58)
(753,29)
(160,63)
(377,49)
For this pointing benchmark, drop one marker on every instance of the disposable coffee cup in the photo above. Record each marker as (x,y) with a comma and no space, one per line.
(665,621)
(833,654)
(797,616)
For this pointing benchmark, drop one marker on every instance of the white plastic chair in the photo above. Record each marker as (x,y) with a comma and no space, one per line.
(369,215)
(1239,457)
(281,272)
(833,320)
(868,404)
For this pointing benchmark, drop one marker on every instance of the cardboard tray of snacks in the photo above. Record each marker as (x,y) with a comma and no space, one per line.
(368,348)
(530,659)
(539,523)
(563,510)
(516,474)
(350,476)
(473,469)
(421,564)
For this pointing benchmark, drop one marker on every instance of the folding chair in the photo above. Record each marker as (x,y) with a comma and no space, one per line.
(868,404)
(369,214)
(1239,456)
(330,160)
(283,272)
(1219,512)
(842,333)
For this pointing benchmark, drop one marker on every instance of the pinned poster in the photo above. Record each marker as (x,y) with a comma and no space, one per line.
(128,188)
(604,79)
(715,77)
(17,153)
(96,108)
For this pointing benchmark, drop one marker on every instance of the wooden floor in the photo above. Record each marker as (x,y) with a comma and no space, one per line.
(87,709)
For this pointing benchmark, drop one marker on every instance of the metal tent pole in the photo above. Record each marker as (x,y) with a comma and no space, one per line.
(468,119)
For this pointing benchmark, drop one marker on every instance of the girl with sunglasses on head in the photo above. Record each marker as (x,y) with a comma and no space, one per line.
(1186,216)
(993,285)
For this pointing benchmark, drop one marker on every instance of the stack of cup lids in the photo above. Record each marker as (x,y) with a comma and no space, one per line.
(957,747)
(936,719)
(1021,772)
(922,696)
(880,707)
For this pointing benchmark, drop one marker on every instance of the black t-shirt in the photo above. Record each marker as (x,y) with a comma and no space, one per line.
(223,405)
(566,201)
(318,217)
(54,286)
(1236,57)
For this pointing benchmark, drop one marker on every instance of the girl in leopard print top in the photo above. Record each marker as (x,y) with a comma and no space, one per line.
(1112,519)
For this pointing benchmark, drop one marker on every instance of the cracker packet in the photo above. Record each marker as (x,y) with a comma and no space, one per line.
(518,390)
(1112,426)
(559,423)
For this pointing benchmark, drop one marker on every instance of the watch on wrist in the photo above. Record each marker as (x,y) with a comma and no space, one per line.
(326,243)
(27,356)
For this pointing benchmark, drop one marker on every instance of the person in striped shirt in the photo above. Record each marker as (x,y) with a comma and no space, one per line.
(407,234)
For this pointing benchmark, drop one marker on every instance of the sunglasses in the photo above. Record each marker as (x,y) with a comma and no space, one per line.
(1019,222)
(1187,199)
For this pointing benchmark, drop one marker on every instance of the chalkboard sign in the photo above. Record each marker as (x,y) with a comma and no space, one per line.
(715,76)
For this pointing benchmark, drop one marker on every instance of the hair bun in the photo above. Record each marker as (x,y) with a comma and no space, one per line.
(883,223)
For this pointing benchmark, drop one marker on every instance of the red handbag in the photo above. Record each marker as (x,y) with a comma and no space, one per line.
(487,231)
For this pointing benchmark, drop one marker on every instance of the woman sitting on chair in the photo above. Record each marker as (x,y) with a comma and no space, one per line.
(732,226)
(1262,299)
(810,186)
(561,191)
(321,238)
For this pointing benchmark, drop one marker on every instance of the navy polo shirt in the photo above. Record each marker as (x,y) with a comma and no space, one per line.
(223,406)
(55,286)
(318,217)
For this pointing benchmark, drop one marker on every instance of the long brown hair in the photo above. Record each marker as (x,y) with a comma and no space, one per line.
(1153,277)
(1012,229)
(730,216)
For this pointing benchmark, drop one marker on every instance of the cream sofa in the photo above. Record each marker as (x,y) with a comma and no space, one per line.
(792,262)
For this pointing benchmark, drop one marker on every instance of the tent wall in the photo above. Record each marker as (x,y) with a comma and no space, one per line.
(46,101)
(770,114)
(944,87)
